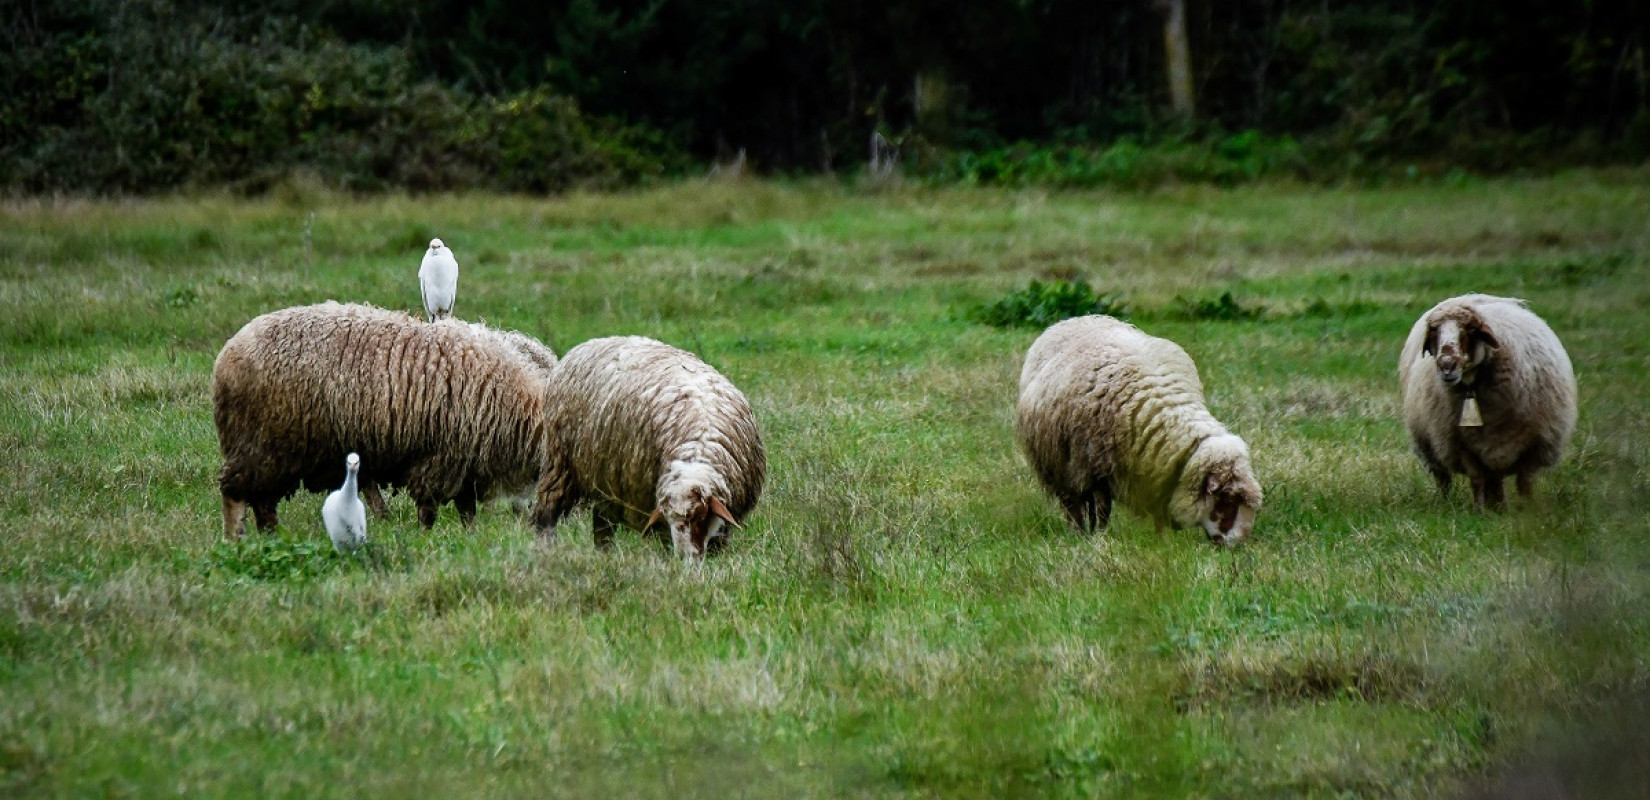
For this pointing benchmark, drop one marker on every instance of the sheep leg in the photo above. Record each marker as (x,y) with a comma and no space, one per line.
(1443,479)
(1100,507)
(1495,496)
(555,497)
(234,518)
(426,512)
(1440,474)
(602,525)
(263,511)
(466,504)
(1073,507)
(1528,465)
(375,499)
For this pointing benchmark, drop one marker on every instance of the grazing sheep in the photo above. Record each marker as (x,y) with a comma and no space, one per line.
(436,408)
(1107,413)
(343,512)
(537,358)
(438,281)
(643,430)
(1488,392)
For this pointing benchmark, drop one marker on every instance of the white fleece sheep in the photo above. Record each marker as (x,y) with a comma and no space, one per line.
(1107,413)
(1489,355)
(646,431)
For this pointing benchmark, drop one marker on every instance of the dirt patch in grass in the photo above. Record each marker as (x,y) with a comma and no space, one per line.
(1367,677)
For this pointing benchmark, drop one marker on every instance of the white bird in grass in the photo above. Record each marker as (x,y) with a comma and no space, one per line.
(344,513)
(438,280)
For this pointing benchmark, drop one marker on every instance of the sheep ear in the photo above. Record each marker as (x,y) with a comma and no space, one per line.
(652,518)
(720,510)
(1486,337)
(1430,346)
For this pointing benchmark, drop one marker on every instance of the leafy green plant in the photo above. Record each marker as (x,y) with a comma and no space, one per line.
(1042,304)
(273,558)
(1321,308)
(1224,308)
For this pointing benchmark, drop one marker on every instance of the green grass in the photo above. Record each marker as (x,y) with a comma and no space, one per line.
(905,614)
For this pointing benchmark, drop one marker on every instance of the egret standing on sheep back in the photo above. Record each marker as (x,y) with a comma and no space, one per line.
(1107,413)
(1488,392)
(344,513)
(438,281)
(647,433)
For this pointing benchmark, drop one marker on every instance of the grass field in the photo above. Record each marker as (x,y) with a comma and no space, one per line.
(905,615)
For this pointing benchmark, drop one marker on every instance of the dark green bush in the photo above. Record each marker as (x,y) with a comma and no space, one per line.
(154,97)
(1224,308)
(1223,159)
(1042,304)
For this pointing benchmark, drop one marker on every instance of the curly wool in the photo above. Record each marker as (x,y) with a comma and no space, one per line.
(1525,390)
(634,425)
(534,354)
(449,414)
(1106,408)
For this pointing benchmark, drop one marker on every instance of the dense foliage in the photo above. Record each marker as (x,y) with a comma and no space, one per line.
(1040,305)
(132,95)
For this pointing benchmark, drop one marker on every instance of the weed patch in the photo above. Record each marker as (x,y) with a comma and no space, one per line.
(1224,308)
(1040,305)
(1361,677)
(274,558)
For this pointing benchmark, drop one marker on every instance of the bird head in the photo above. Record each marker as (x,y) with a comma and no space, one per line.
(435,245)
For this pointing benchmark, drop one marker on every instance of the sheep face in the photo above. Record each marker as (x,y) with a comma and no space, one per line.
(698,519)
(1228,503)
(1219,491)
(1459,347)
(1228,513)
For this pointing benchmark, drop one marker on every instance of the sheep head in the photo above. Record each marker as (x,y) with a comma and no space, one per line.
(690,504)
(1460,342)
(1227,495)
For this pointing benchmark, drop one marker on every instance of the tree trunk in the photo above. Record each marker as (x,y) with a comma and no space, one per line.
(1178,54)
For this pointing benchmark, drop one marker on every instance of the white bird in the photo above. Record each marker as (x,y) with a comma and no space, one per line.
(438,280)
(344,513)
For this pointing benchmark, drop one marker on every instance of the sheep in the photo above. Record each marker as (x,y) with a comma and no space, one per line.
(537,358)
(1488,391)
(344,515)
(438,281)
(436,408)
(644,430)
(1107,412)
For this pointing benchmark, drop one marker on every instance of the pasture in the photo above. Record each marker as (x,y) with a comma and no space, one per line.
(905,614)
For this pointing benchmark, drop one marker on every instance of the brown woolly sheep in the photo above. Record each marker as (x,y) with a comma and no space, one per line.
(646,431)
(437,408)
(1488,392)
